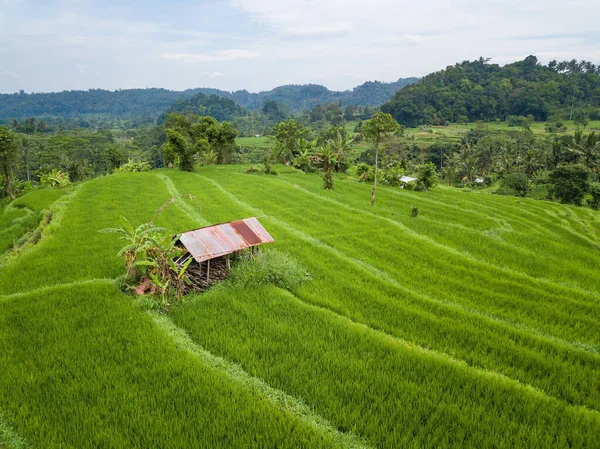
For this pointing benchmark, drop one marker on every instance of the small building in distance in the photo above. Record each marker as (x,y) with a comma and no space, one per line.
(212,247)
(405,180)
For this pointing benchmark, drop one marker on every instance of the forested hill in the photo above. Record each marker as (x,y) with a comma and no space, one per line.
(120,103)
(303,97)
(215,106)
(479,90)
(153,102)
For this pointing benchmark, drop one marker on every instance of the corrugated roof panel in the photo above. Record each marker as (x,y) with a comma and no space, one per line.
(219,240)
(259,230)
(247,234)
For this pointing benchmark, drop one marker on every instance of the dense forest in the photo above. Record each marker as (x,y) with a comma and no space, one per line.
(121,103)
(214,106)
(478,90)
(302,97)
(142,103)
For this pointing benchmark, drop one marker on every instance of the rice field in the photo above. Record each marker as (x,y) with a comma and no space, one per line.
(474,324)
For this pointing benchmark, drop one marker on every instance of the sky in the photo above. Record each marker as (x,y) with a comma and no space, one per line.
(256,45)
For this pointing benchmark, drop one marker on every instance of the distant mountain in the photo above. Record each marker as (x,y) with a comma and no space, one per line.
(153,102)
(75,103)
(306,96)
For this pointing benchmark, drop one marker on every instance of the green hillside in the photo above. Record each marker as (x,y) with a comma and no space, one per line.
(474,324)
(479,90)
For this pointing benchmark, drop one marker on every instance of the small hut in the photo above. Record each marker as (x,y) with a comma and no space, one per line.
(212,247)
(405,180)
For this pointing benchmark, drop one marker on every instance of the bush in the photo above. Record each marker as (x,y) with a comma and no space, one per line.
(555,127)
(269,267)
(523,122)
(133,167)
(427,175)
(569,183)
(365,172)
(515,183)
(253,169)
(593,199)
(414,211)
(56,178)
(391,175)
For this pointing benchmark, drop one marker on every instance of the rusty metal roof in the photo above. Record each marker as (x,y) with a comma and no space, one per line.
(219,240)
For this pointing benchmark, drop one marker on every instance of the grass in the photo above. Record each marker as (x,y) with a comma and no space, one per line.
(21,217)
(471,325)
(83,368)
(262,142)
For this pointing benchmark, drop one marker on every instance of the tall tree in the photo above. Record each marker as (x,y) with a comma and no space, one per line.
(288,135)
(8,158)
(376,130)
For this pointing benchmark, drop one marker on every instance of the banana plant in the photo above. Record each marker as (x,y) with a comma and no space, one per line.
(139,241)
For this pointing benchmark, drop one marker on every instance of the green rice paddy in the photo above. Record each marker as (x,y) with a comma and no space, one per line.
(474,324)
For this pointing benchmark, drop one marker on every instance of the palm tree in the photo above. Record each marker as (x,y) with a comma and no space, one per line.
(586,148)
(468,161)
(452,168)
(530,161)
(486,155)
(509,157)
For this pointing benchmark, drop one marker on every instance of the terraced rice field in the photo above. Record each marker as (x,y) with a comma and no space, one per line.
(474,324)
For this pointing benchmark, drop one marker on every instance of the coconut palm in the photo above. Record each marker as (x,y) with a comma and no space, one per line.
(468,161)
(586,148)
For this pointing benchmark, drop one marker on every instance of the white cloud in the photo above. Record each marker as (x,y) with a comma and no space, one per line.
(339,43)
(329,30)
(9,73)
(221,55)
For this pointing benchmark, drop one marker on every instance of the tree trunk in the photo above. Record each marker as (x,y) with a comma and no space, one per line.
(9,189)
(375,180)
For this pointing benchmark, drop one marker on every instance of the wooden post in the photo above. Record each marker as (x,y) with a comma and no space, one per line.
(208,270)
(228,264)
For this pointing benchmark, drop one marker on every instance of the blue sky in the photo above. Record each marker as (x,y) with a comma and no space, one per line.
(260,44)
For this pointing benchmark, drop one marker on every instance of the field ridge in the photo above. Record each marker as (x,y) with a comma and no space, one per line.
(234,371)
(384,276)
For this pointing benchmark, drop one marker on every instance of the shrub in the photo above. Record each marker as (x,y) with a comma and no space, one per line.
(133,167)
(414,211)
(56,178)
(427,176)
(523,122)
(253,169)
(555,127)
(594,196)
(569,183)
(391,175)
(269,267)
(365,172)
(515,183)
